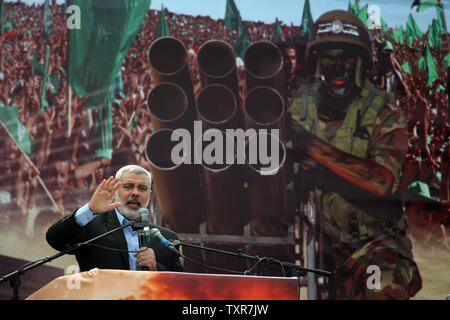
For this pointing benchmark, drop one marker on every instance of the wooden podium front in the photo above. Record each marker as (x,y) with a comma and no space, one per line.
(100,284)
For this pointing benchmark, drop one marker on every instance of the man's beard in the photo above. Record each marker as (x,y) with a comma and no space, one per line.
(129,213)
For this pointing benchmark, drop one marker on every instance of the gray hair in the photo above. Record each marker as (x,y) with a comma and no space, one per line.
(135,169)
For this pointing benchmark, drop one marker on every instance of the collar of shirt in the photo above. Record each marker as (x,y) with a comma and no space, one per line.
(122,220)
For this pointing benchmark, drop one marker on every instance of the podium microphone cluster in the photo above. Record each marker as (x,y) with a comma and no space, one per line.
(142,228)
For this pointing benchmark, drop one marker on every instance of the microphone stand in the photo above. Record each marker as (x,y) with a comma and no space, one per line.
(240,254)
(14,277)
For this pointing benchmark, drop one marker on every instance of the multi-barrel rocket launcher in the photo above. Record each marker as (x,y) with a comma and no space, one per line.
(234,204)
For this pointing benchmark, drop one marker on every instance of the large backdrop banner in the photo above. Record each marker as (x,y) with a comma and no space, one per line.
(87,87)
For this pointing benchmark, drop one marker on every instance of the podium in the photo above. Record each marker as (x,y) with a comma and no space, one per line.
(103,284)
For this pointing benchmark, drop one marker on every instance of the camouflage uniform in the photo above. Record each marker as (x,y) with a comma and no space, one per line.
(359,233)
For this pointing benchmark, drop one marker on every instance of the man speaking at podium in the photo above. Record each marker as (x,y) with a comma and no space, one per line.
(130,190)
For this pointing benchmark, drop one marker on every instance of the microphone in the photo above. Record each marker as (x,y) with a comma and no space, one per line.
(144,237)
(155,233)
(142,228)
(143,213)
(141,221)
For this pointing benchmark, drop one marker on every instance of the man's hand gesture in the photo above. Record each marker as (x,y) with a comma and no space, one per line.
(103,195)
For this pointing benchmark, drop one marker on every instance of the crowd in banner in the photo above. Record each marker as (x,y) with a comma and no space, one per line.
(61,160)
(61,166)
(421,90)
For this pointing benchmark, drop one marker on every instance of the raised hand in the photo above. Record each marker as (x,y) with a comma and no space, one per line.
(101,200)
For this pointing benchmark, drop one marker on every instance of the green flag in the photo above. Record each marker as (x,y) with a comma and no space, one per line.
(432,74)
(307,20)
(277,34)
(417,30)
(399,35)
(362,15)
(10,118)
(277,30)
(354,8)
(37,67)
(421,64)
(434,39)
(410,33)
(441,19)
(97,50)
(2,15)
(446,61)
(43,89)
(8,25)
(232,17)
(3,24)
(351,8)
(163,29)
(48,24)
(406,67)
(421,5)
(412,30)
(242,42)
(10,18)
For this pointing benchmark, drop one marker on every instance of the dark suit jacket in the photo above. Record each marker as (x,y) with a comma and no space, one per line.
(66,233)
